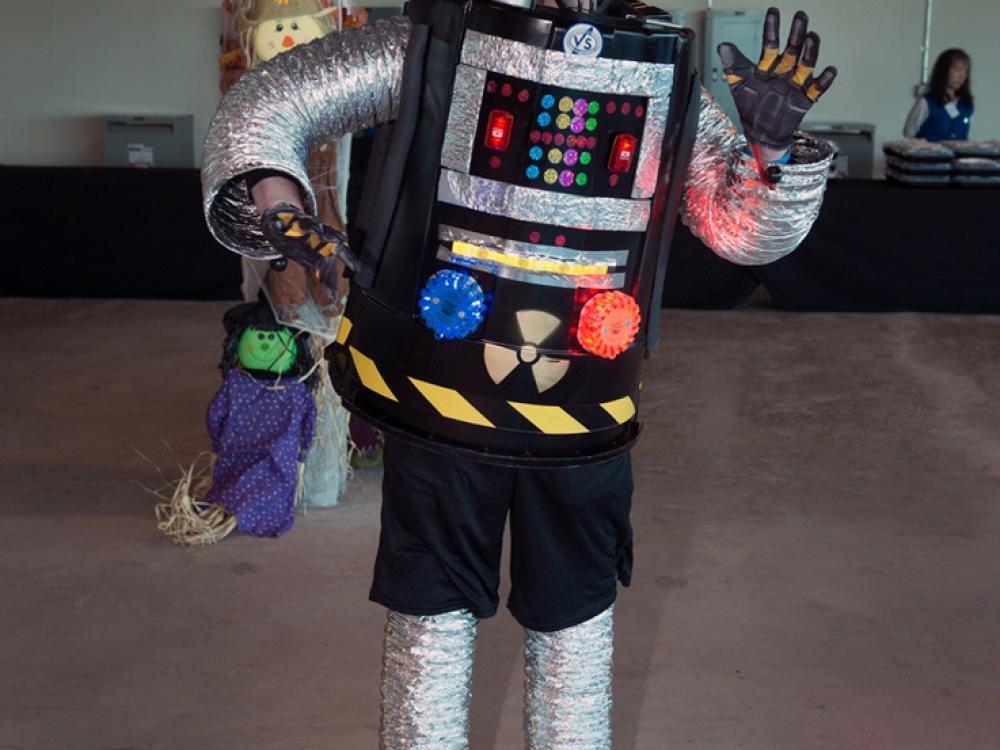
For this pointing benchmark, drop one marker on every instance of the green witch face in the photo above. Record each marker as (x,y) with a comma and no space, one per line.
(269,351)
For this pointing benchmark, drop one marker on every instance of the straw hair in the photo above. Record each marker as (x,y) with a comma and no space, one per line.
(184,516)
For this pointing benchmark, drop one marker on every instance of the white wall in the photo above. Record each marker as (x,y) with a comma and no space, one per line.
(63,65)
(76,61)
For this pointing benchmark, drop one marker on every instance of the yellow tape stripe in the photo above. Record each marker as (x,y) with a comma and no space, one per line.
(732,79)
(344,330)
(768,58)
(802,74)
(788,61)
(370,376)
(552,420)
(451,404)
(814,92)
(467,250)
(621,410)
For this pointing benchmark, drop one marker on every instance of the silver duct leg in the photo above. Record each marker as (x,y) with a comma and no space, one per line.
(567,703)
(427,681)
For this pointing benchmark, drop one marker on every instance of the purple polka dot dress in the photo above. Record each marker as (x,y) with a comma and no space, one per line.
(260,431)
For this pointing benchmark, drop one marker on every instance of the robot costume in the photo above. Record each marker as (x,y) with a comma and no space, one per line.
(508,258)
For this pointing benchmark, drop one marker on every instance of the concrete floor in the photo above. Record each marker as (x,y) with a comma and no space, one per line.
(818,560)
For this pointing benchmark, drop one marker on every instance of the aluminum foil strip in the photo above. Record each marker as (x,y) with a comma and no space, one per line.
(567,704)
(647,166)
(314,93)
(463,118)
(447,233)
(427,681)
(555,68)
(541,278)
(732,211)
(542,206)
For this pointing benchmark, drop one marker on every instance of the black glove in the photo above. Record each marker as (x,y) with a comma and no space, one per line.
(773,96)
(308,241)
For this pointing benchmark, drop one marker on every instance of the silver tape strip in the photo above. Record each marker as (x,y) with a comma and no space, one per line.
(555,68)
(463,118)
(447,233)
(541,206)
(647,166)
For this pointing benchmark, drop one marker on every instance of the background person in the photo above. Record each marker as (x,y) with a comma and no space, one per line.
(944,113)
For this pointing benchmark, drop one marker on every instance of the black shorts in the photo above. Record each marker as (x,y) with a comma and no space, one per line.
(442,530)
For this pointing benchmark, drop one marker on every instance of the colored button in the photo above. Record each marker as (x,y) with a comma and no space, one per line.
(547,101)
(562,121)
(555,155)
(550,176)
(535,152)
(522,95)
(594,108)
(544,118)
(585,158)
(611,107)
(495,162)
(531,172)
(581,179)
(559,139)
(571,157)
(577,125)
(640,111)
(565,104)
(506,89)
(591,123)
(546,138)
(571,141)
(566,178)
(580,107)
(626,108)
(491,87)
(536,136)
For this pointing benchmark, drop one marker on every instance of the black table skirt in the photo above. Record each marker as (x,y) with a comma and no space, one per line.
(80,232)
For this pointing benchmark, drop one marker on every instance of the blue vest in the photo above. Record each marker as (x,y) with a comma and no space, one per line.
(940,126)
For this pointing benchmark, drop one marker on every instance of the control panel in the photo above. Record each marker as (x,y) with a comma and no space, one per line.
(558,139)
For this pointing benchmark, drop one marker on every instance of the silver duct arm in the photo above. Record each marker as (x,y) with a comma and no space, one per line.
(732,211)
(339,84)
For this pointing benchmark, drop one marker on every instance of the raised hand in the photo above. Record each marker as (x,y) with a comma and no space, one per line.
(774,95)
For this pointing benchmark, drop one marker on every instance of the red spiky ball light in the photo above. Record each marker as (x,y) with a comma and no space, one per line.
(609,323)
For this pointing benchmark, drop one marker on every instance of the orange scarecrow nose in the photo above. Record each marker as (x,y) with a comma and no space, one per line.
(287,42)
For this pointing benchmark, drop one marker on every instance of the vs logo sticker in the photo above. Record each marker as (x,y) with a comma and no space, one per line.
(584,40)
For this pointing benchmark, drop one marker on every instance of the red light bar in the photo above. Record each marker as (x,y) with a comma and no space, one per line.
(622,153)
(498,130)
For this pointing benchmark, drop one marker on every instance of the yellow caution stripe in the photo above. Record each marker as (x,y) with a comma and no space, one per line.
(494,413)
(344,330)
(451,404)
(621,410)
(371,377)
(552,420)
